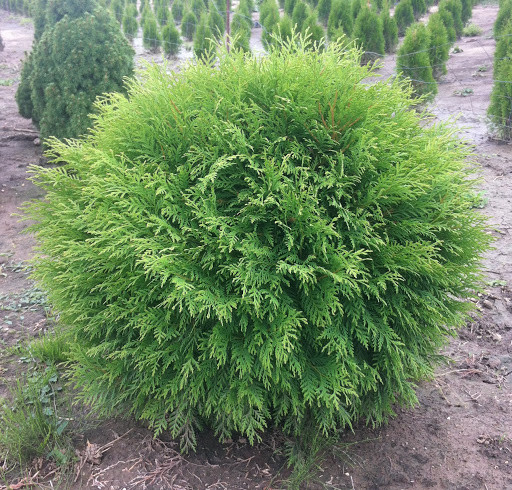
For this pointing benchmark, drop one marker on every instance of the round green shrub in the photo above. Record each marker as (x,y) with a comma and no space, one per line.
(389,30)
(439,45)
(340,18)
(368,35)
(413,60)
(188,25)
(404,16)
(269,243)
(171,40)
(59,84)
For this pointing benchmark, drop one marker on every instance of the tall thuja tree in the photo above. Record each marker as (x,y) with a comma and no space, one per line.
(300,14)
(500,108)
(324,9)
(504,15)
(130,24)
(117,7)
(447,19)
(413,60)
(59,84)
(289,5)
(171,40)
(340,18)
(439,45)
(204,39)
(356,7)
(368,35)
(177,10)
(188,25)
(404,16)
(454,7)
(240,29)
(467,7)
(269,243)
(389,30)
(151,37)
(313,31)
(419,8)
(269,19)
(216,22)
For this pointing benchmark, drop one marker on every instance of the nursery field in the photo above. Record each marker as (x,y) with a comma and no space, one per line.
(458,437)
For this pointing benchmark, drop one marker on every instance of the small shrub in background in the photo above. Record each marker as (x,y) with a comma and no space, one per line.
(289,5)
(472,30)
(404,16)
(188,25)
(59,85)
(356,7)
(171,40)
(340,18)
(297,264)
(284,30)
(413,60)
(269,21)
(439,45)
(389,30)
(324,9)
(467,7)
(163,15)
(177,10)
(151,38)
(198,7)
(368,35)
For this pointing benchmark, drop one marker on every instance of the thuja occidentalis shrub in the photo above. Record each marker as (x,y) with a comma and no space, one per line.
(262,242)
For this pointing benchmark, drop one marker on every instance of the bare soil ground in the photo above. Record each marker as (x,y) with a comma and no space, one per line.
(460,435)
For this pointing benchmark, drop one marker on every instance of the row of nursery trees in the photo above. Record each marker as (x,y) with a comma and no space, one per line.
(500,109)
(422,56)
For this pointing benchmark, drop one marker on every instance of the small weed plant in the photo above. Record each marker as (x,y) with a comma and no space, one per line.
(472,30)
(267,242)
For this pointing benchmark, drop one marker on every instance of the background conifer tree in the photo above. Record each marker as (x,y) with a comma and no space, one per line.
(59,85)
(340,17)
(404,16)
(204,39)
(419,8)
(177,10)
(299,15)
(130,25)
(151,38)
(413,60)
(447,19)
(389,30)
(368,35)
(324,9)
(455,9)
(188,25)
(439,45)
(171,40)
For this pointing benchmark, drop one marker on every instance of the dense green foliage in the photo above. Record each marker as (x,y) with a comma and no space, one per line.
(500,109)
(241,30)
(439,45)
(188,25)
(171,40)
(314,31)
(467,7)
(269,19)
(267,243)
(299,16)
(404,16)
(59,85)
(216,23)
(413,60)
(289,5)
(117,7)
(368,35)
(389,31)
